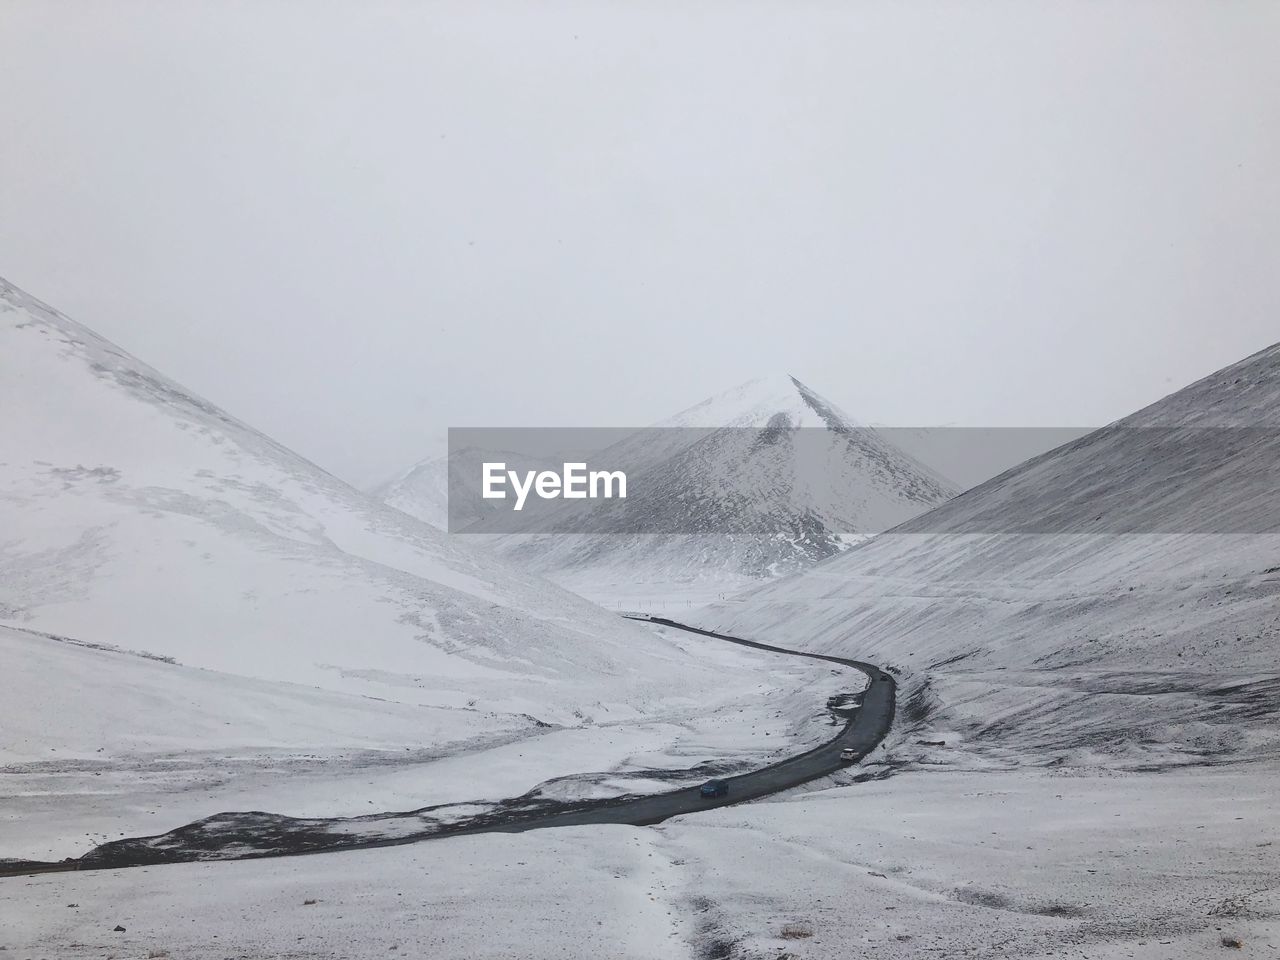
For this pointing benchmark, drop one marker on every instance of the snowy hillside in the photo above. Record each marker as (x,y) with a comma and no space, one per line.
(1120,594)
(763,480)
(137,515)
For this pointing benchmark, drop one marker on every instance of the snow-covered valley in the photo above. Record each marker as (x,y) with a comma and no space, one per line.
(1084,755)
(195,620)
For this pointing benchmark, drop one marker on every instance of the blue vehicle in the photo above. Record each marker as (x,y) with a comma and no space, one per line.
(714,788)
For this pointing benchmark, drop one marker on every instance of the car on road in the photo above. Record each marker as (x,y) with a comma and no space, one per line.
(847,755)
(714,788)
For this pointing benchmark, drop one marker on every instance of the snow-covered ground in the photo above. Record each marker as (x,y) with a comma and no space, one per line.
(1018,863)
(92,751)
(1025,863)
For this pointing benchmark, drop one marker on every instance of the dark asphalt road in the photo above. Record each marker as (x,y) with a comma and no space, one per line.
(863,733)
(263,835)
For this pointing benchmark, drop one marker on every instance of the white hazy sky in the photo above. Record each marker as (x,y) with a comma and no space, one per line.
(354,224)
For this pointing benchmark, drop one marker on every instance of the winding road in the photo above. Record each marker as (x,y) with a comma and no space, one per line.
(863,733)
(240,836)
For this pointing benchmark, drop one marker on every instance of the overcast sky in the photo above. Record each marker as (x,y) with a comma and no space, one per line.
(354,224)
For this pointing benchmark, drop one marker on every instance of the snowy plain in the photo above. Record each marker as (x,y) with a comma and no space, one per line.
(1027,863)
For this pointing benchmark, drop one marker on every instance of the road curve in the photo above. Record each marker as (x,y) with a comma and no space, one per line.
(863,733)
(264,835)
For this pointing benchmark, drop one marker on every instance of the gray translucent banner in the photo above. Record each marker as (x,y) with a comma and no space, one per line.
(815,483)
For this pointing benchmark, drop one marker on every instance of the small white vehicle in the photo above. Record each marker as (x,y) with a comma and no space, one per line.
(847,755)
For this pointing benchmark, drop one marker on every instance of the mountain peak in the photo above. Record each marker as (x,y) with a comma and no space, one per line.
(754,403)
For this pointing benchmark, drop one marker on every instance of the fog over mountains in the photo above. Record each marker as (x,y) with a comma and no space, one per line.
(327,632)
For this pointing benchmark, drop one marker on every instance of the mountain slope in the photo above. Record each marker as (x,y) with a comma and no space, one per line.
(1118,594)
(135,514)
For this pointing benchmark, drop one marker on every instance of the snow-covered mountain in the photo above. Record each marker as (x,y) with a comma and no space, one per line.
(421,491)
(1119,594)
(134,514)
(762,480)
(427,489)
